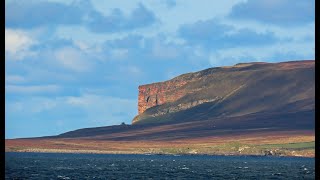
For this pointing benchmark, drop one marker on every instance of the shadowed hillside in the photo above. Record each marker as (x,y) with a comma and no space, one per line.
(254,123)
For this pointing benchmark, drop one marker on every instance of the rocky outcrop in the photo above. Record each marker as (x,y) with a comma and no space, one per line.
(159,93)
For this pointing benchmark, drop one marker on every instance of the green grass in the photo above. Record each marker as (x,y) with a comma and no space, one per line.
(15,148)
(241,148)
(301,145)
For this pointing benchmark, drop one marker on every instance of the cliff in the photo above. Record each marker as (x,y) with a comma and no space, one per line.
(159,93)
(229,91)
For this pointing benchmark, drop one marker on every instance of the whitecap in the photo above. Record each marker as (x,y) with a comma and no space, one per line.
(63,177)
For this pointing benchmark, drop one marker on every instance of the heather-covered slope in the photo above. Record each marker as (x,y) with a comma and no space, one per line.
(229,92)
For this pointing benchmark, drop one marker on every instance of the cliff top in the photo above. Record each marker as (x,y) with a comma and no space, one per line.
(282,65)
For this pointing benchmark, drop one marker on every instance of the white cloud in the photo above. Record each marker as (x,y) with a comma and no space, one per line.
(22,89)
(296,33)
(14,107)
(87,100)
(81,45)
(79,101)
(41,105)
(104,109)
(112,109)
(232,56)
(65,113)
(16,40)
(133,72)
(164,51)
(17,44)
(120,53)
(31,106)
(73,59)
(14,79)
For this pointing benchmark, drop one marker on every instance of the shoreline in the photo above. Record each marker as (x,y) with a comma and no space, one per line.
(277,145)
(66,151)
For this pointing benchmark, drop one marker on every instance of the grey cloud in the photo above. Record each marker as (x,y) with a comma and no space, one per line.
(279,12)
(214,35)
(30,14)
(117,21)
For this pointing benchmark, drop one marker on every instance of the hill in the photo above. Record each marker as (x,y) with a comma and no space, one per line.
(228,92)
(249,108)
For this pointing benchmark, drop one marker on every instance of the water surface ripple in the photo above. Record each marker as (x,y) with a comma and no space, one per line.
(108,166)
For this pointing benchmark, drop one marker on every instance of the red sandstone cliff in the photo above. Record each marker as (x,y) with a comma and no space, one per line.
(159,93)
(227,90)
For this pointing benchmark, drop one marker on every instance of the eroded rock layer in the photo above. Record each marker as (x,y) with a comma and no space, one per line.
(159,93)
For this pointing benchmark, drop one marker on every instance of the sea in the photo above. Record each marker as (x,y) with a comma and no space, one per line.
(125,166)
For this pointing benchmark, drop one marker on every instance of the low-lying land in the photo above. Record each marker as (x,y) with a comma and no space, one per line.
(268,134)
(257,143)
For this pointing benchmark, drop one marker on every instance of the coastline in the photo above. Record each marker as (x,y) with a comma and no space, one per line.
(298,144)
(67,151)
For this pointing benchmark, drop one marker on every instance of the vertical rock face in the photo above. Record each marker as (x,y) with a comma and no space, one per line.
(151,95)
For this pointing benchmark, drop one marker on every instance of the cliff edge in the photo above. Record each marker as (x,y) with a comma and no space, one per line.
(229,91)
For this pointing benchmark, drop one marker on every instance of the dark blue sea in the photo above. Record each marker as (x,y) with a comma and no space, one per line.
(108,166)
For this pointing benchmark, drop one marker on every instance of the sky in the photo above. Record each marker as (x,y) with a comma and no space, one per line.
(73,64)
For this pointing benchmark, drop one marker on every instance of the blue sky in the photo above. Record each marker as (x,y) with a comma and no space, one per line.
(74,64)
